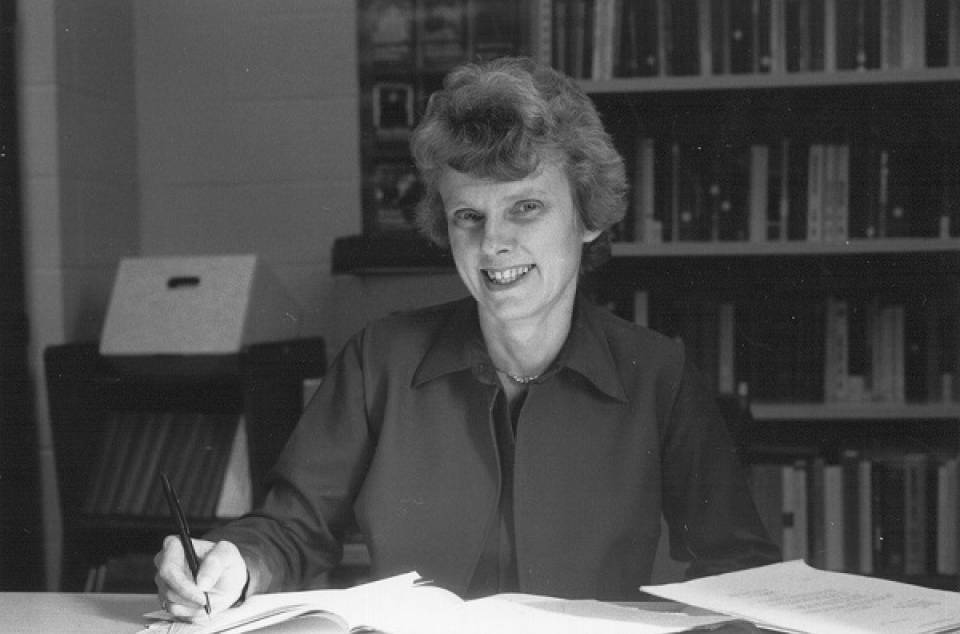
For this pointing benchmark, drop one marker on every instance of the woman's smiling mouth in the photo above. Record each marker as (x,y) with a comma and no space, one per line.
(507,276)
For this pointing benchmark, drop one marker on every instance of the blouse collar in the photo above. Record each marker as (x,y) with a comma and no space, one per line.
(458,346)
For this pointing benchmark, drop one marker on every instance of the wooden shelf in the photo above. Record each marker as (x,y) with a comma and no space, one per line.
(747,81)
(906,412)
(389,254)
(787,248)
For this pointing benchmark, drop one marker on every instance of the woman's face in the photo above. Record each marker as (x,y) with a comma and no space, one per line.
(516,244)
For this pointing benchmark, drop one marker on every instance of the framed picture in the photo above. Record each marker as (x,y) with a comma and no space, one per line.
(396,191)
(389,30)
(392,109)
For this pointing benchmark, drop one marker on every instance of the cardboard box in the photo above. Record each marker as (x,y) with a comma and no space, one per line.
(204,305)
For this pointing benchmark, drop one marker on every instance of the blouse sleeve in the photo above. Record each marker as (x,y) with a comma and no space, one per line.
(707,503)
(294,535)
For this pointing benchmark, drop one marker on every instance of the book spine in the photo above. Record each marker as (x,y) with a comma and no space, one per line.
(915,514)
(641,307)
(541,20)
(850,464)
(759,192)
(834,547)
(865,516)
(836,352)
(830,35)
(815,193)
(726,373)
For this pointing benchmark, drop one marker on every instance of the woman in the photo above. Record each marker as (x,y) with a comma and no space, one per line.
(520,439)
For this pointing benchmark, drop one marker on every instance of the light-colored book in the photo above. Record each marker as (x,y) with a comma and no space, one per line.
(795,597)
(405,605)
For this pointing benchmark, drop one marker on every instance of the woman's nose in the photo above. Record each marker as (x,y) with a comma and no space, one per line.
(498,236)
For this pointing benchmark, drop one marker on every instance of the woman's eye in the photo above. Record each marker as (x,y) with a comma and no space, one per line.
(527,207)
(467,216)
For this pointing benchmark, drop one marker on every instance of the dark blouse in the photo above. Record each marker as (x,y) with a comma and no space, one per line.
(402,438)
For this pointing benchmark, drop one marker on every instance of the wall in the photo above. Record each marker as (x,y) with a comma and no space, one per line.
(248,135)
(78,139)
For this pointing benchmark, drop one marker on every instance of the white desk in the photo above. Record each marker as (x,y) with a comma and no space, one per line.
(54,613)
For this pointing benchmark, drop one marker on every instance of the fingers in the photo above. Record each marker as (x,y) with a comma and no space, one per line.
(222,574)
(221,577)
(176,588)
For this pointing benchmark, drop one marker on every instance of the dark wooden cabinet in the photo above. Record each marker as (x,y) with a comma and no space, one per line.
(262,387)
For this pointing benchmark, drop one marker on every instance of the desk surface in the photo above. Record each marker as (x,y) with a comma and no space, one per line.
(51,612)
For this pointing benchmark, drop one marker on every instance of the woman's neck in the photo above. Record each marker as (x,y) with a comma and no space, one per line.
(525,348)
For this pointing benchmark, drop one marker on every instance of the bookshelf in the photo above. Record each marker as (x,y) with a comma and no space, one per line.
(794,217)
(118,421)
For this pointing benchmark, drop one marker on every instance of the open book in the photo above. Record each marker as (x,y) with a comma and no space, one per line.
(794,597)
(401,605)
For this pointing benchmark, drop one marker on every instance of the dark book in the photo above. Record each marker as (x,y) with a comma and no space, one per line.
(690,214)
(799,168)
(681,20)
(850,463)
(865,167)
(762,33)
(580,16)
(778,191)
(949,188)
(916,529)
(103,469)
(224,429)
(559,34)
(889,515)
(742,36)
(441,33)
(849,17)
(915,352)
(720,36)
(118,463)
(937,33)
(494,28)
(733,174)
(905,187)
(171,456)
(396,190)
(142,446)
(160,430)
(816,509)
(872,38)
(808,354)
(639,40)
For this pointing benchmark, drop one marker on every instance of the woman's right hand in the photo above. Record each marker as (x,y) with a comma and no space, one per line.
(222,577)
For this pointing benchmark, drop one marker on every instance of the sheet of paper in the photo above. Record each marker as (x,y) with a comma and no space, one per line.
(794,597)
(530,614)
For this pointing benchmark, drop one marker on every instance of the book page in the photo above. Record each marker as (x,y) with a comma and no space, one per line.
(396,604)
(532,614)
(794,597)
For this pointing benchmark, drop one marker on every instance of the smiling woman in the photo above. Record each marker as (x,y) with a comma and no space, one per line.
(520,439)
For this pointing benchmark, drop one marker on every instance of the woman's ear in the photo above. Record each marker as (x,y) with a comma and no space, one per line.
(589,235)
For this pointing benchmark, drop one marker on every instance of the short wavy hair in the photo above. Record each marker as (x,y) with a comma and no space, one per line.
(500,119)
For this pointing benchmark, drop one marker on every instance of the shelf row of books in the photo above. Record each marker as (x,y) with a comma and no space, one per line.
(437,34)
(790,190)
(874,514)
(602,39)
(204,455)
(811,349)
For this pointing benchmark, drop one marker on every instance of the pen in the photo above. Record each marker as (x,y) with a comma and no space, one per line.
(184,531)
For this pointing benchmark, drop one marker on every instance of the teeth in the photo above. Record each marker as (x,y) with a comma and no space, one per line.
(507,276)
